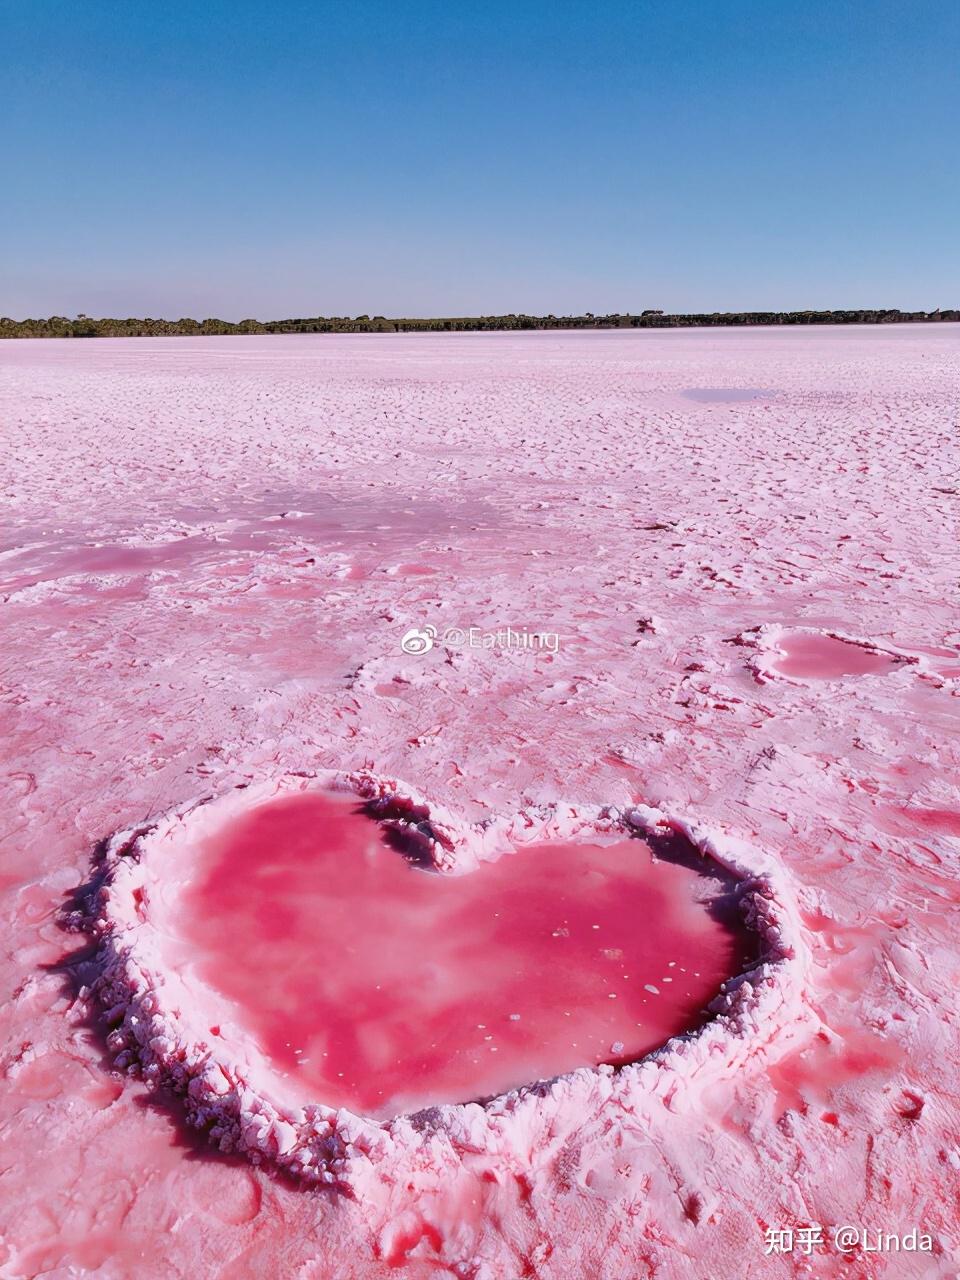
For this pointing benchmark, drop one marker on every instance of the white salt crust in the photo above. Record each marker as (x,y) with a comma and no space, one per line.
(157,1032)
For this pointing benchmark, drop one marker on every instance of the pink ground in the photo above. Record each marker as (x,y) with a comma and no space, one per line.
(212,550)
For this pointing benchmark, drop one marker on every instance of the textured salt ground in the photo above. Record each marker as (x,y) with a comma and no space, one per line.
(568,482)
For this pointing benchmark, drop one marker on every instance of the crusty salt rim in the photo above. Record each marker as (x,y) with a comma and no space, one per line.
(764,641)
(151,1036)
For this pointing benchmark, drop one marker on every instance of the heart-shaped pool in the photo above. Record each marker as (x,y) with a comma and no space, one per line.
(333,971)
(376,984)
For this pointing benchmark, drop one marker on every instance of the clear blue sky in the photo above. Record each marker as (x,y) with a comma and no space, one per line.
(418,158)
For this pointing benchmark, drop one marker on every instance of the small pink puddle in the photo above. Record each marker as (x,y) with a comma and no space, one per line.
(370,983)
(814,656)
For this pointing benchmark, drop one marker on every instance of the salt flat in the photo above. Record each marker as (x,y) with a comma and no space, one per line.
(211,551)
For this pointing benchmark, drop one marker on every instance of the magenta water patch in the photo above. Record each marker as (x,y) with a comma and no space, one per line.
(812,655)
(238,533)
(809,656)
(378,985)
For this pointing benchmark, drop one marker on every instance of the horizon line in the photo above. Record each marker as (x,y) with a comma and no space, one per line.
(85,326)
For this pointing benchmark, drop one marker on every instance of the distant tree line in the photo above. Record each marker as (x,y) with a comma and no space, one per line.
(87,327)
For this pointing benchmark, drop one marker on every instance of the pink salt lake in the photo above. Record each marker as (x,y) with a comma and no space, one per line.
(370,983)
(586,491)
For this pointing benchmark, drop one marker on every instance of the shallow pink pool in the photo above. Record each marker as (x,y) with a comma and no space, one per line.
(371,983)
(814,656)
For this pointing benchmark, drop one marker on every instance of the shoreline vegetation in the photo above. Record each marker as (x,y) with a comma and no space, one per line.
(83,326)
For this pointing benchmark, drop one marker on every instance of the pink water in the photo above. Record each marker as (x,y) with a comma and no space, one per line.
(230,532)
(377,985)
(813,656)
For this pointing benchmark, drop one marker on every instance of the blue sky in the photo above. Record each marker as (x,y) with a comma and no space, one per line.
(419,158)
